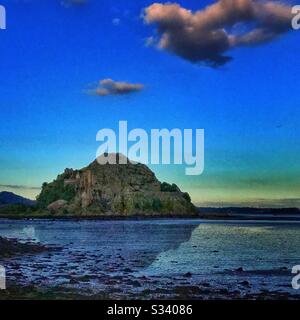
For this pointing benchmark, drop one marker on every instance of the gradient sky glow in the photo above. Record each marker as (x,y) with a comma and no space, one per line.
(52,54)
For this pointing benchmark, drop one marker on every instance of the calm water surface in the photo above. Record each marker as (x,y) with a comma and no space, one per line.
(96,255)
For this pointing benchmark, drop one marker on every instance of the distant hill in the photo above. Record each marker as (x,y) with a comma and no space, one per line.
(9,198)
(245,213)
(249,210)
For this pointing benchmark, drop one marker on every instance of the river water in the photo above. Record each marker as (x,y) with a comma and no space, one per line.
(126,257)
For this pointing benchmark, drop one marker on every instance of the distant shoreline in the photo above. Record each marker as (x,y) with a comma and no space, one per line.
(156,217)
(226,213)
(98,217)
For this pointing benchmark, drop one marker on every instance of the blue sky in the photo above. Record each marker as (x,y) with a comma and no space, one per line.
(51,54)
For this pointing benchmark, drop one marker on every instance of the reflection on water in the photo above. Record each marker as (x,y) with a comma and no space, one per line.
(22,233)
(164,250)
(92,248)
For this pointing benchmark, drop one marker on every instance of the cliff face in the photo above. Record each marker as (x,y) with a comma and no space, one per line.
(113,189)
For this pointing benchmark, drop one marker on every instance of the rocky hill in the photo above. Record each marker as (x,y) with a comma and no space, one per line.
(113,189)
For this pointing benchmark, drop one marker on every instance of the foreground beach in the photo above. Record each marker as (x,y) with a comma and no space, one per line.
(153,259)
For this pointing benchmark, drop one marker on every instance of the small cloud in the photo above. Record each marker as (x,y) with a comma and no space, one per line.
(150,41)
(108,87)
(69,3)
(11,186)
(116,21)
(205,36)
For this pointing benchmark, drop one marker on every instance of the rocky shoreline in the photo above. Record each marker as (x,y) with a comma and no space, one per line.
(12,247)
(117,279)
(124,261)
(178,292)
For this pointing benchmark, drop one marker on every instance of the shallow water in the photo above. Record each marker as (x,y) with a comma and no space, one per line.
(131,256)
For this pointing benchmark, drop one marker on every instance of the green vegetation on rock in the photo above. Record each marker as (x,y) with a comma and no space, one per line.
(52,192)
(166,187)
